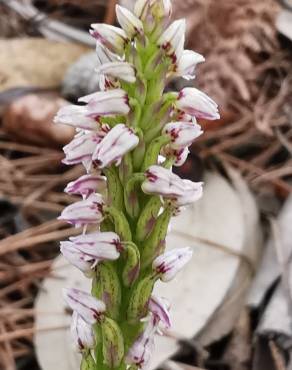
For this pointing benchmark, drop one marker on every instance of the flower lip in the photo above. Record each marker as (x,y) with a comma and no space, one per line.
(82,333)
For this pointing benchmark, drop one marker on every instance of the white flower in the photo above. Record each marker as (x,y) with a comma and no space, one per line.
(170,263)
(82,333)
(88,211)
(161,8)
(187,64)
(161,181)
(172,40)
(194,102)
(86,185)
(104,55)
(81,148)
(159,307)
(85,251)
(75,115)
(141,351)
(141,8)
(120,140)
(88,307)
(118,70)
(182,134)
(178,155)
(111,37)
(110,102)
(129,22)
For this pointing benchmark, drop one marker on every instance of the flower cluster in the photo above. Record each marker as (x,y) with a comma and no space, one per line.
(129,134)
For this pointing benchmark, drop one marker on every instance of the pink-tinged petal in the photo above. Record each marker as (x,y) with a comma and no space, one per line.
(82,333)
(187,64)
(81,148)
(85,251)
(170,263)
(161,181)
(141,351)
(75,115)
(173,39)
(129,22)
(194,102)
(88,211)
(119,141)
(87,306)
(103,103)
(159,307)
(182,134)
(87,185)
(118,70)
(111,37)
(77,259)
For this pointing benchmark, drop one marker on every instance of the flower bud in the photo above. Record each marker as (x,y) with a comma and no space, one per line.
(112,343)
(161,8)
(132,265)
(82,333)
(141,8)
(111,37)
(181,134)
(155,244)
(187,64)
(141,351)
(172,40)
(170,263)
(194,102)
(120,140)
(160,181)
(88,307)
(86,185)
(118,70)
(88,211)
(159,307)
(138,304)
(106,286)
(129,22)
(75,115)
(111,102)
(148,218)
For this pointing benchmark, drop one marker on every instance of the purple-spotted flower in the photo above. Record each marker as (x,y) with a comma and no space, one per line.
(140,352)
(86,185)
(179,156)
(172,40)
(87,211)
(171,262)
(82,333)
(182,134)
(118,70)
(103,103)
(111,37)
(119,141)
(76,116)
(187,64)
(159,307)
(81,148)
(84,304)
(129,22)
(85,251)
(194,102)
(161,181)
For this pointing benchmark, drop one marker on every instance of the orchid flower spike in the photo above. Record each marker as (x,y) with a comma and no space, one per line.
(128,136)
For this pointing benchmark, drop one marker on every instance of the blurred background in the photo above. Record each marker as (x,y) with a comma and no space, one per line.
(239,311)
